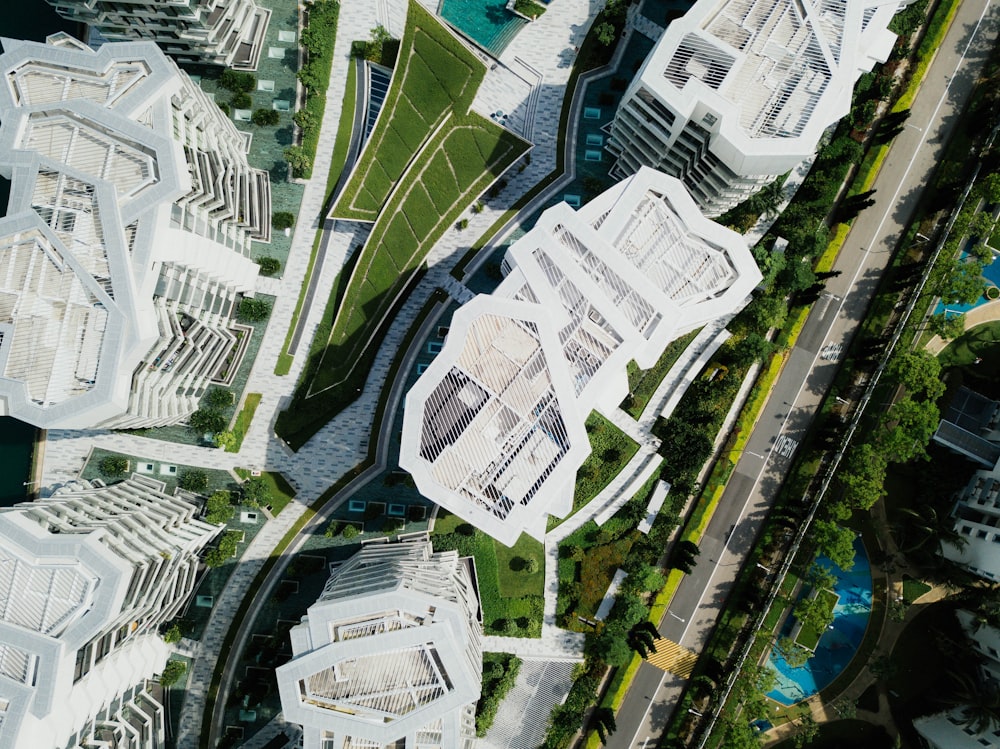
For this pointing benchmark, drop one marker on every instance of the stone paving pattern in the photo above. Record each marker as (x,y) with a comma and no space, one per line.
(547,47)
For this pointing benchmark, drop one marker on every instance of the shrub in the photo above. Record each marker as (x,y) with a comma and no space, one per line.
(237,81)
(218,397)
(218,510)
(282,220)
(349,531)
(499,674)
(265,117)
(298,160)
(207,420)
(193,481)
(224,106)
(268,265)
(256,492)
(113,465)
(173,634)
(241,101)
(226,549)
(253,310)
(172,673)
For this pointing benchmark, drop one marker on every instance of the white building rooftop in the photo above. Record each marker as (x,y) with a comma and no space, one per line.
(390,653)
(129,224)
(86,578)
(494,429)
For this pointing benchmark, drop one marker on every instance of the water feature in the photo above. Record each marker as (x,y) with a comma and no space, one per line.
(837,646)
(487,23)
(16,442)
(34,20)
(992,275)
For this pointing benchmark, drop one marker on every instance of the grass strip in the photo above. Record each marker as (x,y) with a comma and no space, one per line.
(243,420)
(937,28)
(340,148)
(278,551)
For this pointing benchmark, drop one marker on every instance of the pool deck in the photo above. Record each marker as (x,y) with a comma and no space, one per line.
(982,314)
(891,573)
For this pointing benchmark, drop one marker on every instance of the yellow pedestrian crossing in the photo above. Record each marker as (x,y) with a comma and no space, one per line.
(671,657)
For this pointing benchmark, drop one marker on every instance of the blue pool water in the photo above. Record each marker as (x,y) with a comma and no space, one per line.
(487,23)
(991,273)
(838,644)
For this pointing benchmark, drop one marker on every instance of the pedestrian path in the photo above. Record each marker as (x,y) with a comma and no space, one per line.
(554,644)
(669,656)
(544,52)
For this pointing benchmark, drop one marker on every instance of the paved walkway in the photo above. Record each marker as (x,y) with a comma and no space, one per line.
(982,314)
(546,48)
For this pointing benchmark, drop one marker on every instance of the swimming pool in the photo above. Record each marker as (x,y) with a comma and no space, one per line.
(837,646)
(488,23)
(992,275)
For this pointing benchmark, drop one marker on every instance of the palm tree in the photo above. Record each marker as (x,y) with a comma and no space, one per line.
(927,525)
(977,701)
(604,722)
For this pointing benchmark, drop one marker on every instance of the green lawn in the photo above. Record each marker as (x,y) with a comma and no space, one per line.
(913,589)
(509,608)
(642,383)
(281,491)
(427,160)
(808,636)
(448,173)
(514,580)
(980,342)
(611,450)
(435,76)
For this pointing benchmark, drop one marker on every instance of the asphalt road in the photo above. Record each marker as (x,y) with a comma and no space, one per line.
(811,366)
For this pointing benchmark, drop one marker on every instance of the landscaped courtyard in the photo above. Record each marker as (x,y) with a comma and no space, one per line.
(427,159)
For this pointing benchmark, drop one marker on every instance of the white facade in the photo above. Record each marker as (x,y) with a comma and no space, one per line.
(494,429)
(86,577)
(204,32)
(950,729)
(977,523)
(390,653)
(738,92)
(127,238)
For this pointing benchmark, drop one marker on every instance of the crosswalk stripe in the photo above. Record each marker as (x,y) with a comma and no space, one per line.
(670,656)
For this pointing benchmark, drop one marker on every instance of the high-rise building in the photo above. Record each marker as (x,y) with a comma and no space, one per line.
(86,577)
(961,727)
(205,32)
(390,653)
(126,245)
(494,429)
(738,92)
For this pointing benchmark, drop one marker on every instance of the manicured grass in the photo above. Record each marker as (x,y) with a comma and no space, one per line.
(340,148)
(435,76)
(642,383)
(808,636)
(980,342)
(244,418)
(913,589)
(499,609)
(514,580)
(611,450)
(458,164)
(427,180)
(281,491)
